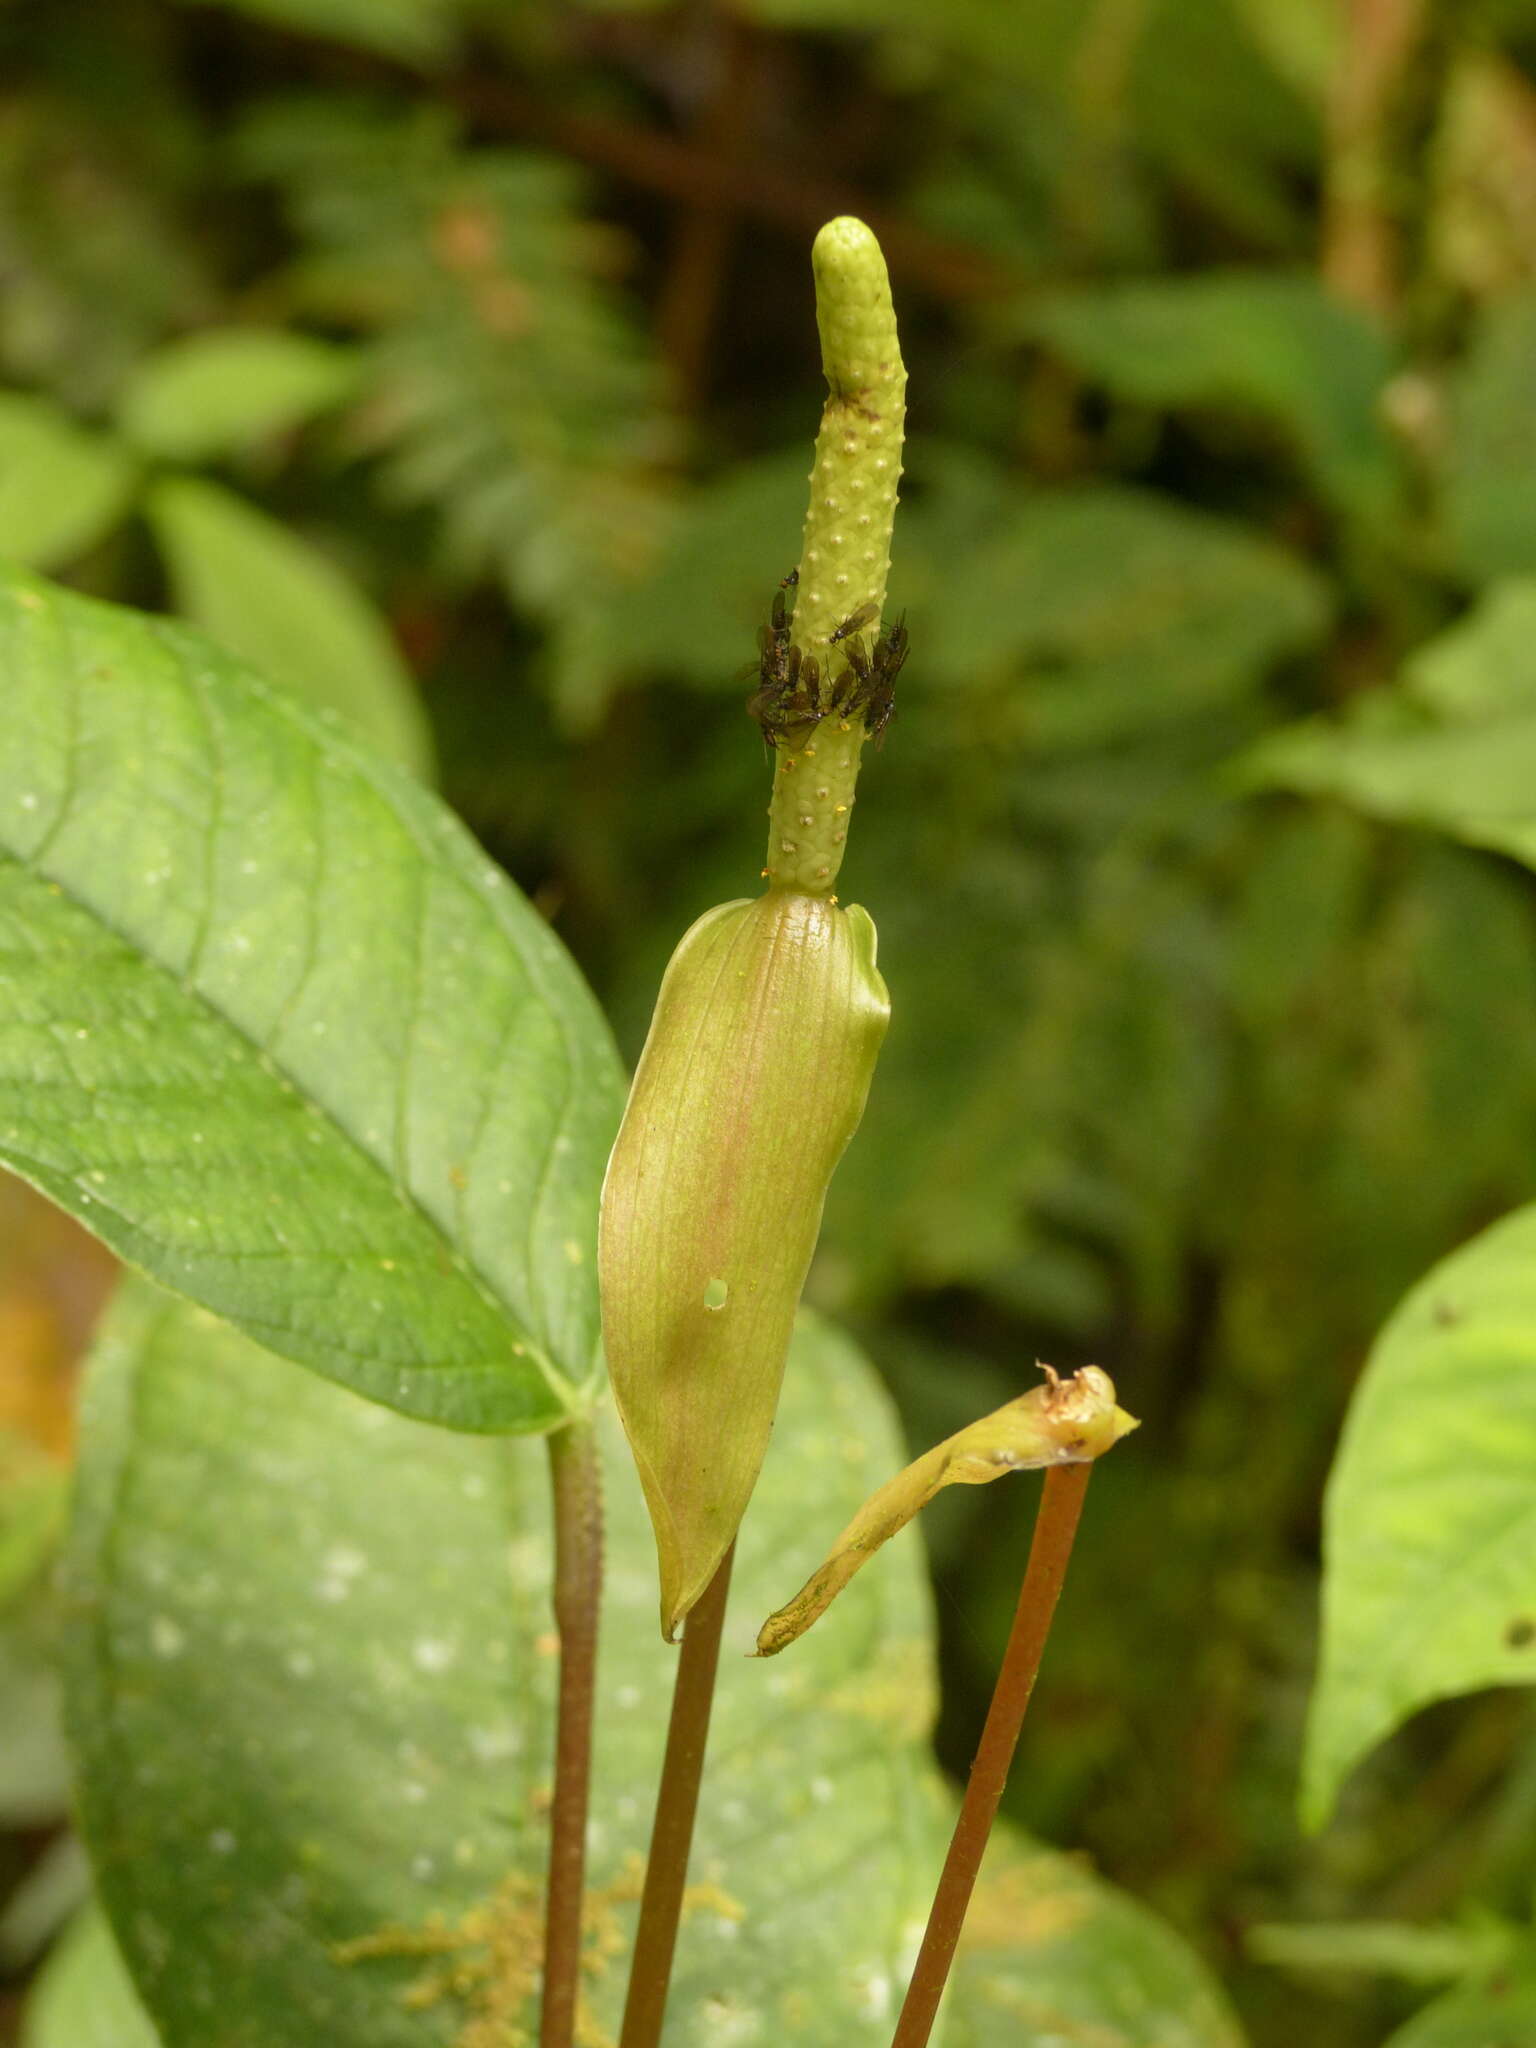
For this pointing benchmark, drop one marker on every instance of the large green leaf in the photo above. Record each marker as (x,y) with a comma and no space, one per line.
(1430,1535)
(1267,344)
(268,596)
(1453,746)
(61,488)
(84,1997)
(277,1031)
(214,393)
(311,1699)
(311,1691)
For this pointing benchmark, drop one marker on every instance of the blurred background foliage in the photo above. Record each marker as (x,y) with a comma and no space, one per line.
(471,341)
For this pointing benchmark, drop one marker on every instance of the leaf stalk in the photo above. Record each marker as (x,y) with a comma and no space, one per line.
(1061,1506)
(677,1802)
(576,1482)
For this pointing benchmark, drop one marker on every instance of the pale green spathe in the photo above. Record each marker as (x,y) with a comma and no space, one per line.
(752,1081)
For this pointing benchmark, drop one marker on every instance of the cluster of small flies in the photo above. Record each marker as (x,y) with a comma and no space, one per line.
(794,692)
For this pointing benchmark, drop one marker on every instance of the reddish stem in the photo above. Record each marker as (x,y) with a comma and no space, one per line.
(677,1801)
(577,1483)
(1061,1504)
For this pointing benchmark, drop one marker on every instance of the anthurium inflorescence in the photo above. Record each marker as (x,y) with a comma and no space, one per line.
(772,1011)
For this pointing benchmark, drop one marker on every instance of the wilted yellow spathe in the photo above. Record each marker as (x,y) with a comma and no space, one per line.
(1065,1422)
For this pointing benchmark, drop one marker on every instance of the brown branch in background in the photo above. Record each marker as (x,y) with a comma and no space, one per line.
(694,175)
(577,1484)
(1360,257)
(1061,1505)
(690,294)
(677,1802)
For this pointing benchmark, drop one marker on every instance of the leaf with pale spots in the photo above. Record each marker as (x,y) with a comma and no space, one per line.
(1429,1532)
(311,1687)
(311,1696)
(1051,1956)
(274,1028)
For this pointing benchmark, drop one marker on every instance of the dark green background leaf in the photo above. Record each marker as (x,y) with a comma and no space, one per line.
(1117,611)
(1279,348)
(218,392)
(268,596)
(1452,746)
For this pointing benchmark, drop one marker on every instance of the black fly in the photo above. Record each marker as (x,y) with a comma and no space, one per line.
(854,623)
(885,666)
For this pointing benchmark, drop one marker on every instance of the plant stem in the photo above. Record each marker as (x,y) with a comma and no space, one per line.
(576,1480)
(1061,1504)
(677,1800)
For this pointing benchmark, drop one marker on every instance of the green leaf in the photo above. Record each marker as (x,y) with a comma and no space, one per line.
(213,394)
(34,1772)
(1268,344)
(1117,611)
(276,1030)
(269,597)
(61,488)
(33,1487)
(1429,1584)
(311,1698)
(1490,485)
(311,1691)
(1453,746)
(1498,2014)
(695,616)
(1413,1952)
(84,1998)
(1050,1955)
